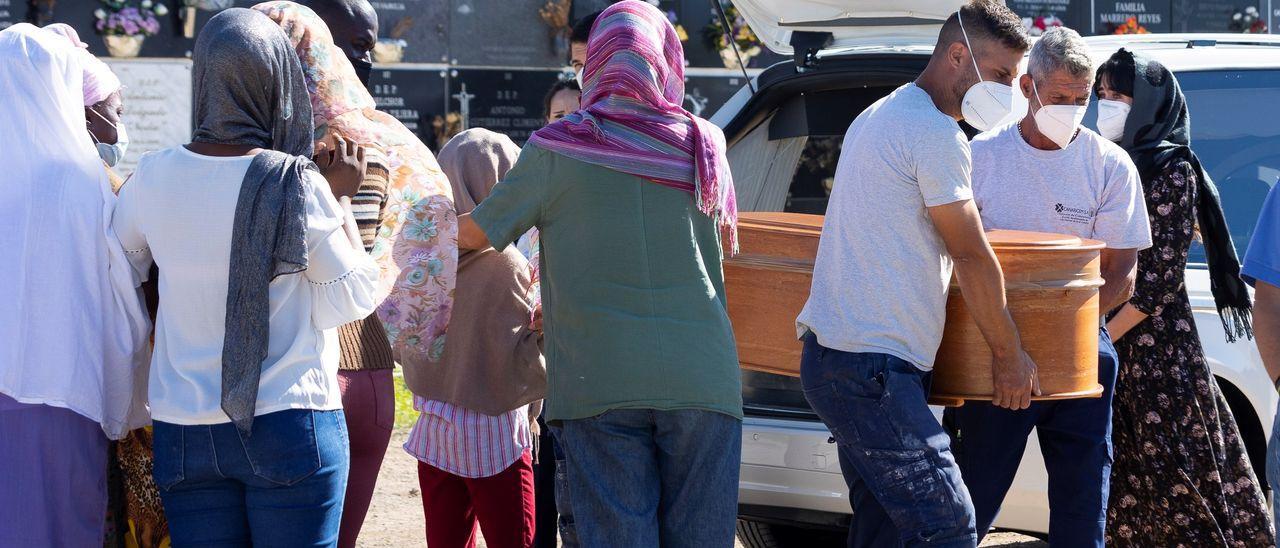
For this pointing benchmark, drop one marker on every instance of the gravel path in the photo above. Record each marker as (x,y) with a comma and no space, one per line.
(395,519)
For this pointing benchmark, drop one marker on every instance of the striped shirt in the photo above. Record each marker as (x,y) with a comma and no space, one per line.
(363,343)
(368,203)
(468,443)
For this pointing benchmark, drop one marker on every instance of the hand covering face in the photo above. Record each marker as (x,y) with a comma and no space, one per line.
(416,247)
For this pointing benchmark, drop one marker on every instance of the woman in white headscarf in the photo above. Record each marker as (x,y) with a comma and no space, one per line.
(103,104)
(72,328)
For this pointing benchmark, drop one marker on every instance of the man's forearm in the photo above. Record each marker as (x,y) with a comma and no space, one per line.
(1119,272)
(470,236)
(1114,293)
(1266,326)
(982,284)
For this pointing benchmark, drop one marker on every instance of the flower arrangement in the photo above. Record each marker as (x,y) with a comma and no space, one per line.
(714,35)
(121,19)
(1248,21)
(682,34)
(391,49)
(555,13)
(445,127)
(1130,26)
(1038,25)
(716,38)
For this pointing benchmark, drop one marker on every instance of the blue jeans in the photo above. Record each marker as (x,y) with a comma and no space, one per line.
(644,477)
(1075,440)
(904,485)
(282,486)
(564,503)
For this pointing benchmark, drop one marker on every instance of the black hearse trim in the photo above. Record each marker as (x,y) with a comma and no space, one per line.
(781,82)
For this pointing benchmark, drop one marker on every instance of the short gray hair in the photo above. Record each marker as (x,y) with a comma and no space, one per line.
(1060,48)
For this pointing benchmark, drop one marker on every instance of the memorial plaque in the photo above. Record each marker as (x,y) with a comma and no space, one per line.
(1205,15)
(505,101)
(1072,13)
(1154,15)
(415,96)
(422,24)
(583,8)
(503,33)
(705,94)
(157,105)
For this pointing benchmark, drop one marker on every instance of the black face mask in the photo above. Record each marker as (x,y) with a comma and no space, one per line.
(364,70)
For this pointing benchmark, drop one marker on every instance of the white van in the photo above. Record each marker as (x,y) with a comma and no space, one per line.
(784,133)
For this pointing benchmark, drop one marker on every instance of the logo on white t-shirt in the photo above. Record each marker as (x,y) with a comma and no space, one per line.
(1074,214)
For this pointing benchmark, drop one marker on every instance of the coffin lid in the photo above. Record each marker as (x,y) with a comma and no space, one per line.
(1013,239)
(798,222)
(852,23)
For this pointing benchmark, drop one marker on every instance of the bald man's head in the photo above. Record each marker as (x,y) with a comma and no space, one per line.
(354,26)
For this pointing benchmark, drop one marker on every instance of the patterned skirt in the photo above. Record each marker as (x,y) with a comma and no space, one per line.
(135,516)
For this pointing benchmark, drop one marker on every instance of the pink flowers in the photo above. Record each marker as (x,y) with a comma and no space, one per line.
(129,21)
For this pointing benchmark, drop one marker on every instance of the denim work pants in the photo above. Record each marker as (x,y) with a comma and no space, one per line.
(281,486)
(1075,439)
(904,485)
(646,478)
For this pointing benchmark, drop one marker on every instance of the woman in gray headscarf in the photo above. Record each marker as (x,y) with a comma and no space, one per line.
(259,264)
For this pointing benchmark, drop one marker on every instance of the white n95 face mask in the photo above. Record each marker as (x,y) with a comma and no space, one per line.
(986,103)
(1111,118)
(111,153)
(1058,122)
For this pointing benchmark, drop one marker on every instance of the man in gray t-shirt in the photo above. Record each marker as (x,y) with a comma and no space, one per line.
(1047,174)
(899,217)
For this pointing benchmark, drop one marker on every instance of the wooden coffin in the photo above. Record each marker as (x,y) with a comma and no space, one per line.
(767,283)
(1051,282)
(1052,286)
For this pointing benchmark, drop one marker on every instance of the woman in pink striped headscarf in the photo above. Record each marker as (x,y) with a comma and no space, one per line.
(631,119)
(632,198)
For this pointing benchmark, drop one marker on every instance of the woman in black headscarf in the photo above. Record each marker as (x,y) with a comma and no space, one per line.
(1181,475)
(259,264)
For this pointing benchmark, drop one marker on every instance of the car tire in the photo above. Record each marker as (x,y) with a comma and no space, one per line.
(754,534)
(757,534)
(1251,429)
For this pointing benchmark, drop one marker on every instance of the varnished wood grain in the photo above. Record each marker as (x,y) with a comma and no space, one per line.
(1052,281)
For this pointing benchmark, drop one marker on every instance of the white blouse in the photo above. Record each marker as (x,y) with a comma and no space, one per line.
(177,210)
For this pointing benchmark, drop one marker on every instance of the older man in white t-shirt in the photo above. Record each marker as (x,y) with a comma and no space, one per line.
(1047,174)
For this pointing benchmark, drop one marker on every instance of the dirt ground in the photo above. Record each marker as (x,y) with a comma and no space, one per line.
(395,518)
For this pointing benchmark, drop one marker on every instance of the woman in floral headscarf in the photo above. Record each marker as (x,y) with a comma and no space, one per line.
(407,221)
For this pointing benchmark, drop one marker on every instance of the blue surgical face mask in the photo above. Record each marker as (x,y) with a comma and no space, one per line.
(111,153)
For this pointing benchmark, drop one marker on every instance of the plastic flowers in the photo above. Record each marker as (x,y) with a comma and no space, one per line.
(1037,26)
(1249,21)
(714,33)
(124,20)
(1131,26)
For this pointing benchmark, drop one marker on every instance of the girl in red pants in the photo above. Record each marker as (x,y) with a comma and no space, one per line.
(474,436)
